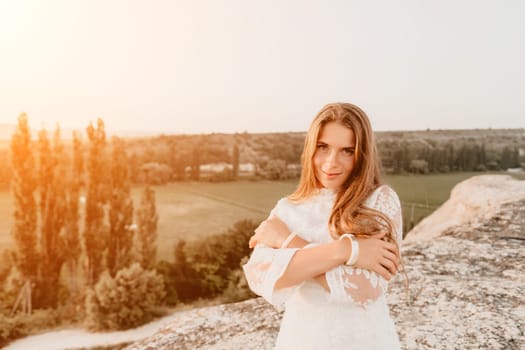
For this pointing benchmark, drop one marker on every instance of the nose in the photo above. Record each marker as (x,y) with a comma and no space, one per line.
(331,158)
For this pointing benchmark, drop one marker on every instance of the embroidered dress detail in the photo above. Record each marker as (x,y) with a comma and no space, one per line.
(354,314)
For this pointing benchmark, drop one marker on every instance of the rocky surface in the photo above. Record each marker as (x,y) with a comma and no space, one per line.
(466,285)
(475,199)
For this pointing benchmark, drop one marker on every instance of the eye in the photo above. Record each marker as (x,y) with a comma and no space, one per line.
(322,146)
(349,151)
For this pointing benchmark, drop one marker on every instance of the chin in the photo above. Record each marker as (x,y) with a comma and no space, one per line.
(331,186)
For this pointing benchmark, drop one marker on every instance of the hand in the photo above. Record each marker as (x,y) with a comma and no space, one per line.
(377,255)
(272,232)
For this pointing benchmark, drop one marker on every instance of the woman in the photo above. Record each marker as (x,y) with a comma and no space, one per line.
(327,251)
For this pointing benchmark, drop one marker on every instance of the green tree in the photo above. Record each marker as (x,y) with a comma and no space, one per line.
(506,158)
(235,162)
(196,163)
(515,157)
(482,154)
(24,185)
(451,156)
(205,268)
(120,240)
(184,277)
(71,232)
(95,234)
(52,216)
(147,219)
(172,158)
(181,162)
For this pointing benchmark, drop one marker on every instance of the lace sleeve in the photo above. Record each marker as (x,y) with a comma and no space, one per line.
(265,266)
(362,286)
(387,202)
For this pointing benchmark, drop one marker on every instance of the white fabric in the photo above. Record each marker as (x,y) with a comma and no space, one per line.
(354,314)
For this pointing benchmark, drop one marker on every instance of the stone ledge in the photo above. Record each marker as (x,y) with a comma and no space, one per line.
(466,291)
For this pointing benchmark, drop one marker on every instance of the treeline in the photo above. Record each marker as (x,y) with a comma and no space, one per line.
(168,158)
(444,158)
(443,151)
(84,253)
(277,155)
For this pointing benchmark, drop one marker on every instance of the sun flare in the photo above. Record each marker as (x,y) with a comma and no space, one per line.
(13,17)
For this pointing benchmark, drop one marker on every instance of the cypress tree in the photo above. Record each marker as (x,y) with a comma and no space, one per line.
(196,163)
(71,234)
(147,219)
(235,164)
(24,185)
(52,215)
(95,234)
(120,212)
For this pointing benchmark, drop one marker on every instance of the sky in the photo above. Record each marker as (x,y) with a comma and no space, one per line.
(261,66)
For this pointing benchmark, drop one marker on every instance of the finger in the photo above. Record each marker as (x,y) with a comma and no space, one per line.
(391,257)
(389,265)
(391,247)
(384,273)
(396,247)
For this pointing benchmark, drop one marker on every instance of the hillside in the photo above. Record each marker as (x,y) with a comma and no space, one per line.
(466,289)
(472,271)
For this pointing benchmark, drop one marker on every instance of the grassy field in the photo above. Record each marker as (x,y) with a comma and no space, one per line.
(195,210)
(189,210)
(421,194)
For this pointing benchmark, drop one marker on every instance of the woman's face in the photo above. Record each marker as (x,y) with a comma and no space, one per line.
(334,155)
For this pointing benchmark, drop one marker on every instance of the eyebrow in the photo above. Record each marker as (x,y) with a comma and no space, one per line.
(324,143)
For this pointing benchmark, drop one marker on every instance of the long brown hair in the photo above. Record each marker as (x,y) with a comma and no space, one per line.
(348,214)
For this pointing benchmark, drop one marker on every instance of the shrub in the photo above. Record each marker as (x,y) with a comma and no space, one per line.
(21,325)
(9,289)
(225,175)
(419,166)
(210,267)
(237,288)
(276,169)
(166,270)
(126,301)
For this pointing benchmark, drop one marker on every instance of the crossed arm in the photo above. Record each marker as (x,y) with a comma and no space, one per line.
(312,262)
(274,273)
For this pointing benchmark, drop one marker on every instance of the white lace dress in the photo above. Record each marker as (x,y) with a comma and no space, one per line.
(354,314)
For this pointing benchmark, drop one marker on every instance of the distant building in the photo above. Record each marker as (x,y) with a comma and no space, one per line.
(248,168)
(214,167)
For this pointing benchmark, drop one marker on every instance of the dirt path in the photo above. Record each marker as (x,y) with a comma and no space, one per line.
(78,338)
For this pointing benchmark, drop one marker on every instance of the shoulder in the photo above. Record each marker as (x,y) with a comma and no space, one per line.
(387,191)
(383,194)
(285,205)
(282,204)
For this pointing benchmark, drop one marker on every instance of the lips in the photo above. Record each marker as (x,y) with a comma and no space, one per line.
(331,174)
